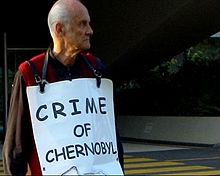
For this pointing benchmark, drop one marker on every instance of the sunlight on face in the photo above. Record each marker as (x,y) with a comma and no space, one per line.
(78,35)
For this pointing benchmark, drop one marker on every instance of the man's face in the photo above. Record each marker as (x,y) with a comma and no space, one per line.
(78,36)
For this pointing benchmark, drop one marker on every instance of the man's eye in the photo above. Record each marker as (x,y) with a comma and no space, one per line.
(84,23)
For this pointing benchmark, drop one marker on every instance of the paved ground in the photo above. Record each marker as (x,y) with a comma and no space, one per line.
(161,159)
(155,159)
(130,146)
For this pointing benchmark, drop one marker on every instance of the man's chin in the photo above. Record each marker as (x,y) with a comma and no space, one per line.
(84,47)
(87,47)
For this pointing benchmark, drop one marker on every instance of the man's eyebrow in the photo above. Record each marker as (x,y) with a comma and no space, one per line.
(85,21)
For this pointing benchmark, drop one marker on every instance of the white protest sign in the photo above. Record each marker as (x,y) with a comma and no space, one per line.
(74,127)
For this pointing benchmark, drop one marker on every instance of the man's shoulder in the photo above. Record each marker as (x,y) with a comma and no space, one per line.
(89,56)
(38,57)
(27,70)
(98,64)
(91,59)
(37,60)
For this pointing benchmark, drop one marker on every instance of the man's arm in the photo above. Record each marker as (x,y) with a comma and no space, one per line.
(17,139)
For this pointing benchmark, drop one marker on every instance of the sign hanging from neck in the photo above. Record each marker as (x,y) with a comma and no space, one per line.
(74,127)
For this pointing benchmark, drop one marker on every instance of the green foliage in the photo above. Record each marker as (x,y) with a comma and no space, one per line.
(187,85)
(195,86)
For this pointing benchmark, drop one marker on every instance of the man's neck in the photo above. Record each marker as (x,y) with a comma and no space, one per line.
(66,58)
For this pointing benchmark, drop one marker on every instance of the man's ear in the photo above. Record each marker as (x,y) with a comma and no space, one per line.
(59,29)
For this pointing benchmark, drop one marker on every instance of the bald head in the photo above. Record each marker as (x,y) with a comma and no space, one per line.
(63,11)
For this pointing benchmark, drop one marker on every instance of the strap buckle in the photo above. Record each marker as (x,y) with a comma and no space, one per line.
(37,79)
(41,81)
(96,73)
(98,76)
(42,85)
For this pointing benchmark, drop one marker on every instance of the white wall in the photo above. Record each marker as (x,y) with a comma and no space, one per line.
(192,130)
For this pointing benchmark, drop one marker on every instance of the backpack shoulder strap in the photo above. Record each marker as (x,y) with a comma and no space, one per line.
(36,75)
(89,60)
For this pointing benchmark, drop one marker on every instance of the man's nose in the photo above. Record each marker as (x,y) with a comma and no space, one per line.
(89,31)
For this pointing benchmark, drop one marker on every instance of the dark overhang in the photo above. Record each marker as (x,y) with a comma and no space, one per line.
(130,36)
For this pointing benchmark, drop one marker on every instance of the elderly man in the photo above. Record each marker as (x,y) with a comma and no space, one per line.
(69,25)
